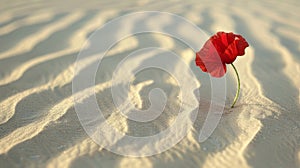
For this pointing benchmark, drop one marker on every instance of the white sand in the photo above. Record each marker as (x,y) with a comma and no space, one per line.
(39,42)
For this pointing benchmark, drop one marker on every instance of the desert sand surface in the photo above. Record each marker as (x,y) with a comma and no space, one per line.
(39,43)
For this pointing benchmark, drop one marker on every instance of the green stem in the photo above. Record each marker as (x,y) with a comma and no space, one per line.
(238,89)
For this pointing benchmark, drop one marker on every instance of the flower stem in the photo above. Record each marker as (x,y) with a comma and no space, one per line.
(238,89)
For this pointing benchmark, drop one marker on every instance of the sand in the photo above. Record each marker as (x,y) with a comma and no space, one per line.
(39,43)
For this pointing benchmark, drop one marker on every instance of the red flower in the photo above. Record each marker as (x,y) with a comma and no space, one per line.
(221,49)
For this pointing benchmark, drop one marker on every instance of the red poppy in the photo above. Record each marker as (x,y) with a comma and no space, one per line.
(221,49)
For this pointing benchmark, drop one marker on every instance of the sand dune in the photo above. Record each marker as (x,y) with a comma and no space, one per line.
(41,40)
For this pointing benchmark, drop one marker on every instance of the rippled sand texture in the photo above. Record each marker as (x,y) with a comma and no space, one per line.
(39,42)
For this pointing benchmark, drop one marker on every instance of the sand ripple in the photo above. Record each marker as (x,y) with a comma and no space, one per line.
(262,131)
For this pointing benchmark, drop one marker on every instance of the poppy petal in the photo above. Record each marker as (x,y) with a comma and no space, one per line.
(221,49)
